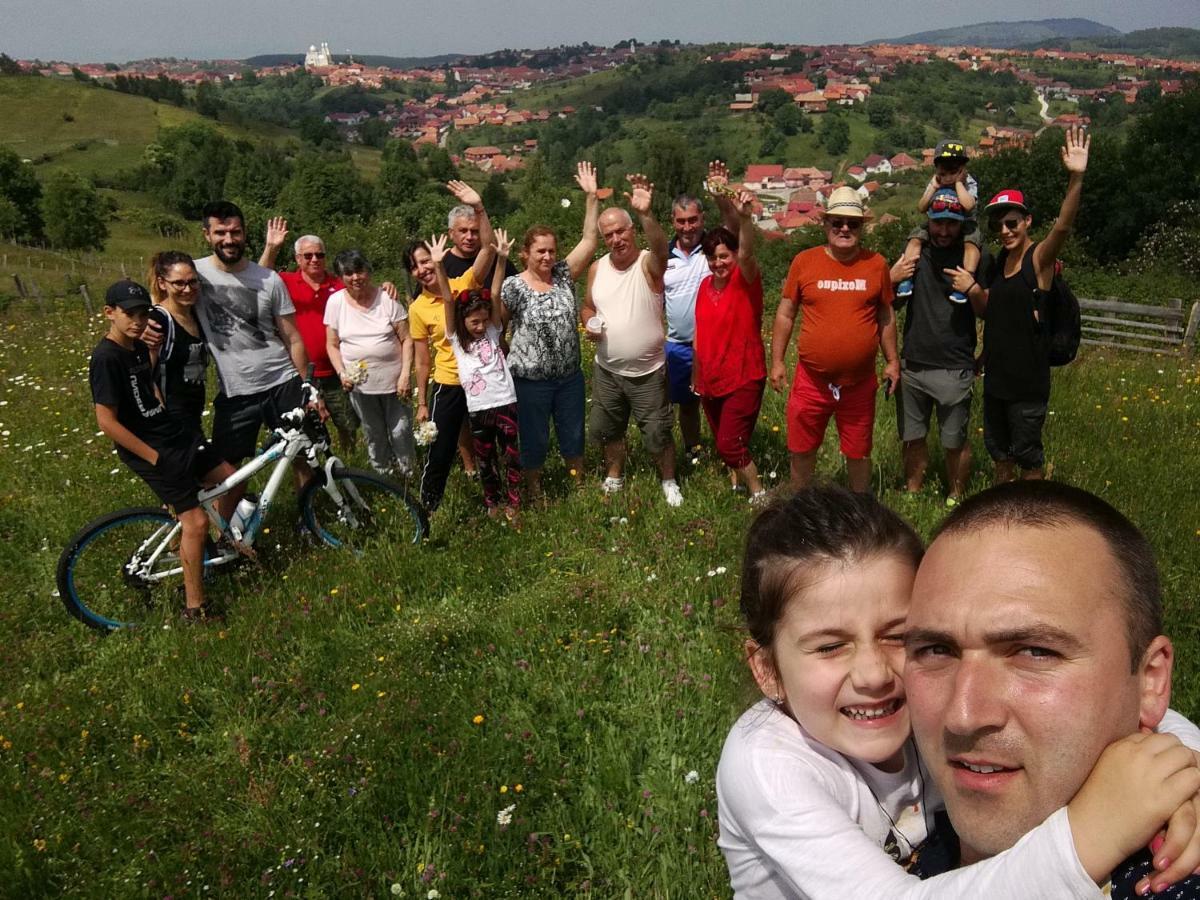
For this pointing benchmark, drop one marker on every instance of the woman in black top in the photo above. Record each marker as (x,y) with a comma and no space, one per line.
(181,362)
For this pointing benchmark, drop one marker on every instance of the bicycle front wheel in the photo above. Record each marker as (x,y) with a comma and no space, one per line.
(361,511)
(120,567)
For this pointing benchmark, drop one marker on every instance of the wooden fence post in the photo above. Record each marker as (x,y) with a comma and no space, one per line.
(20,286)
(87,299)
(37,293)
(1189,334)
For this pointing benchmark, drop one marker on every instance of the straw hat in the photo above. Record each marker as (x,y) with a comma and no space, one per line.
(846,202)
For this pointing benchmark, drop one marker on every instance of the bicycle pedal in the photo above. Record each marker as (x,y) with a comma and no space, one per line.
(228,544)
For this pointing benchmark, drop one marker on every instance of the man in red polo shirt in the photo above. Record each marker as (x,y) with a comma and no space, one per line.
(845,292)
(310,288)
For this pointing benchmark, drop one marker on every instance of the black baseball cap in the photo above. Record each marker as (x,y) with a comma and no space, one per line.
(950,149)
(128,295)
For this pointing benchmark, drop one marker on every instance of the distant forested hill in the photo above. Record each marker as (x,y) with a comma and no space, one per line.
(1172,43)
(1012,34)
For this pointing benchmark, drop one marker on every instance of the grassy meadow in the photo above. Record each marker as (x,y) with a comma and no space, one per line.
(499,713)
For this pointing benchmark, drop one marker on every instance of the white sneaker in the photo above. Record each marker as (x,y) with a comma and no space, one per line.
(759,499)
(672,493)
(613,485)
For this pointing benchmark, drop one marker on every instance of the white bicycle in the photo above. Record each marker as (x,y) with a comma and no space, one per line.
(121,566)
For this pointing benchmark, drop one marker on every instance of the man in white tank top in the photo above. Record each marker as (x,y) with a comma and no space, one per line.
(622,315)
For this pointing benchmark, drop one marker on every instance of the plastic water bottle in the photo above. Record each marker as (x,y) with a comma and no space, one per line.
(245,517)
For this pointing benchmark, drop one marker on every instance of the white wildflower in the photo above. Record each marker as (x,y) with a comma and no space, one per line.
(504,817)
(691,777)
(425,433)
(566,204)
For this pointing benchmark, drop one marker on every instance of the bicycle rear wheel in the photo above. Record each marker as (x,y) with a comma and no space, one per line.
(361,511)
(117,569)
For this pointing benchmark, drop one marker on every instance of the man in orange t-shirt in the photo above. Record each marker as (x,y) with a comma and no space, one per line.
(845,293)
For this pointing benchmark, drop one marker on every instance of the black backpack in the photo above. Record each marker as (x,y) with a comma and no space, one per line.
(1059,323)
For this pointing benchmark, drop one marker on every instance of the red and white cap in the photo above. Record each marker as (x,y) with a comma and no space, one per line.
(1007,200)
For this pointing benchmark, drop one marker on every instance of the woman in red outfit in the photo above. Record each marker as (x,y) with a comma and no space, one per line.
(729,370)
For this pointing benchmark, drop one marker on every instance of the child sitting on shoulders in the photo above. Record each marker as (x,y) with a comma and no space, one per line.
(950,171)
(820,791)
(474,329)
(171,458)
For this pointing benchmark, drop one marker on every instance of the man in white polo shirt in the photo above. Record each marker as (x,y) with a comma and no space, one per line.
(622,314)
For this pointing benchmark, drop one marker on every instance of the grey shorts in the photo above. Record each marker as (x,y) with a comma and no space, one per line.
(614,397)
(922,391)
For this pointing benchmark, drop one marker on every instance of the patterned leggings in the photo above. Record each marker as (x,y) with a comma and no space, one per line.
(494,433)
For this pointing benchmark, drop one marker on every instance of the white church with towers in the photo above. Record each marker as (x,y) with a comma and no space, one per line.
(317,57)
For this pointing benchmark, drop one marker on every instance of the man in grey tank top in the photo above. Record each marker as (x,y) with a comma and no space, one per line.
(622,315)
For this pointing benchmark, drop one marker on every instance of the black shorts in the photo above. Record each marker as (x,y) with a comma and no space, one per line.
(176,477)
(1012,430)
(237,420)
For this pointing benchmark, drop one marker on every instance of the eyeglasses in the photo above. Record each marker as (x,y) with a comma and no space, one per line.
(310,256)
(1009,224)
(839,224)
(184,284)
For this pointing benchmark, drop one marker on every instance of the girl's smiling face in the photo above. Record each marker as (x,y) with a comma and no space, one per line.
(838,654)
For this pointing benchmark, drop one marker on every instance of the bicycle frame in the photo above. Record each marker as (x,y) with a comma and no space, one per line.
(291,442)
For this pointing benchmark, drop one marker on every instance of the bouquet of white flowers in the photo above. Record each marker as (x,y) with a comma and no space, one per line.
(426,433)
(356,373)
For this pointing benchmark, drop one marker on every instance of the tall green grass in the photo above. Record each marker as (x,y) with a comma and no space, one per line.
(361,729)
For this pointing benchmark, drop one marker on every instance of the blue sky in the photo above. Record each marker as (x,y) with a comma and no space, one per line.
(119,30)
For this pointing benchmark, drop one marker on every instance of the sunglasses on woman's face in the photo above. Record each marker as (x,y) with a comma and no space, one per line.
(839,224)
(184,284)
(1009,224)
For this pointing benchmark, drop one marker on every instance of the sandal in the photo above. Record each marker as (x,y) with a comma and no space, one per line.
(202,613)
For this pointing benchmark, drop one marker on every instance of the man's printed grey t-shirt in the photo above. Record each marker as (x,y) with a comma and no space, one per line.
(237,311)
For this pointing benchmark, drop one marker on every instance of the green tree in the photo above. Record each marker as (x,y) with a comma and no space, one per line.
(76,216)
(835,134)
(881,112)
(316,131)
(22,191)
(495,197)
(189,166)
(788,118)
(438,164)
(1149,93)
(400,175)
(673,169)
(324,191)
(207,100)
(11,221)
(772,100)
(257,173)
(374,132)
(9,66)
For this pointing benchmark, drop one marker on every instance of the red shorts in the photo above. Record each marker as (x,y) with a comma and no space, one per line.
(732,419)
(812,402)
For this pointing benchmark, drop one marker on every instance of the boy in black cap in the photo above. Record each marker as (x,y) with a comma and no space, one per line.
(950,171)
(129,409)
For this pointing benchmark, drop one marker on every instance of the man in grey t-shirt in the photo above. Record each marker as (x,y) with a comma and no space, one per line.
(248,320)
(938,352)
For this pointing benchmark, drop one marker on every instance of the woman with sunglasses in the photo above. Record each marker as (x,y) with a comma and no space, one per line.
(181,361)
(1016,331)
